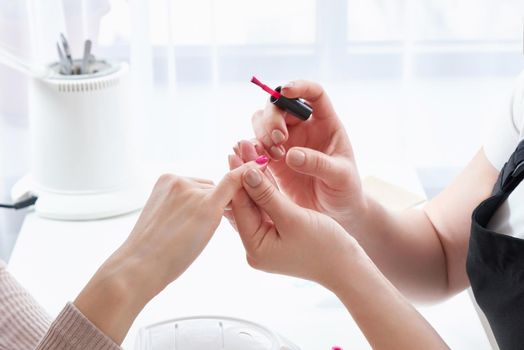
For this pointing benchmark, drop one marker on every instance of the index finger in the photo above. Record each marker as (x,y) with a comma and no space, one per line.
(231,183)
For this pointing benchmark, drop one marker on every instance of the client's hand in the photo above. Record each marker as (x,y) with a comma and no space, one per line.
(177,222)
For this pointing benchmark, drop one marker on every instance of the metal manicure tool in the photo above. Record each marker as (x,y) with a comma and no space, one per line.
(64,64)
(86,57)
(69,66)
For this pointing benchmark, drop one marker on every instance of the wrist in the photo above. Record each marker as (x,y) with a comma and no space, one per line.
(115,295)
(139,268)
(350,256)
(355,219)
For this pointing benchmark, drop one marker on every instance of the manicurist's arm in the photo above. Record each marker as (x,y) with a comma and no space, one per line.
(386,318)
(282,237)
(423,251)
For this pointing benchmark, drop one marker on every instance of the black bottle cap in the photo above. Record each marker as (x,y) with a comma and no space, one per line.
(296,107)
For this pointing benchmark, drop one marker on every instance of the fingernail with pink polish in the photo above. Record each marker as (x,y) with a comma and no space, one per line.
(261,160)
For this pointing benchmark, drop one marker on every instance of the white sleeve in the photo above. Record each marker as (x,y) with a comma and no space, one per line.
(505,131)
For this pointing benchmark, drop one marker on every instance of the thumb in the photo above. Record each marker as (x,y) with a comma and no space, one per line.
(266,196)
(231,183)
(331,170)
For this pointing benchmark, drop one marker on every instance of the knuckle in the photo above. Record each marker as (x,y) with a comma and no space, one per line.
(257,115)
(228,178)
(315,90)
(265,195)
(307,89)
(322,164)
(275,115)
(317,86)
(166,180)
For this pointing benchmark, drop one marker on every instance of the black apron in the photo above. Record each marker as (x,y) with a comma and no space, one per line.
(495,262)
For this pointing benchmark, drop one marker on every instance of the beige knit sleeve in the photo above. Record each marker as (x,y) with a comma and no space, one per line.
(22,321)
(25,325)
(71,330)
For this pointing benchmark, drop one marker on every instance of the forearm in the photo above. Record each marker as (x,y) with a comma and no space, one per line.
(406,248)
(117,293)
(385,317)
(423,252)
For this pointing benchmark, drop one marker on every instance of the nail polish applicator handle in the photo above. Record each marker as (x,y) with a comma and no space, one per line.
(296,107)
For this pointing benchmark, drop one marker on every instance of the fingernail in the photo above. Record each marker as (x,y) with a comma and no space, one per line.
(261,160)
(266,140)
(253,178)
(277,152)
(277,136)
(236,150)
(289,85)
(296,157)
(259,149)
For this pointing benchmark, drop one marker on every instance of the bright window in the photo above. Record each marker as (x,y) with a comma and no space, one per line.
(468,19)
(430,20)
(339,39)
(375,20)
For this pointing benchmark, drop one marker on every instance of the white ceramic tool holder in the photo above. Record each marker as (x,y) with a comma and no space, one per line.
(82,145)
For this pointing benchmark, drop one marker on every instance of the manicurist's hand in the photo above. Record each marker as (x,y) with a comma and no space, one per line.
(176,224)
(314,163)
(281,237)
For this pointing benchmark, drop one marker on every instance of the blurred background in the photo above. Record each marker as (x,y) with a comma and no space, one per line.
(426,78)
(439,70)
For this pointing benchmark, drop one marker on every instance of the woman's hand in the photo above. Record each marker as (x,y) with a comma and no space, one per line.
(178,221)
(314,166)
(176,224)
(281,237)
(426,248)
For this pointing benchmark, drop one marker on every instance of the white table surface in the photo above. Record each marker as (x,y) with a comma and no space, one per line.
(55,259)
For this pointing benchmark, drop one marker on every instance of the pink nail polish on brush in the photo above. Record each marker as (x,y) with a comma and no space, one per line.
(336,348)
(261,160)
